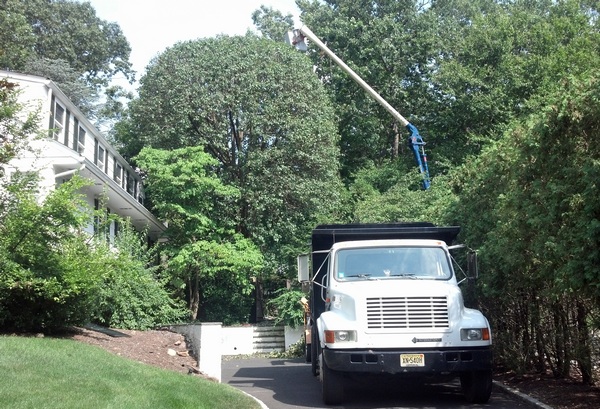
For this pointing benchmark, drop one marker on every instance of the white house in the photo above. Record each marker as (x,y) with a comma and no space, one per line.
(74,145)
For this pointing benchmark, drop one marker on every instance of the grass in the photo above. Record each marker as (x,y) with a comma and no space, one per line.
(61,373)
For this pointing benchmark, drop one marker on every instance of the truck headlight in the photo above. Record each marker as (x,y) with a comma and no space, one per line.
(475,334)
(339,336)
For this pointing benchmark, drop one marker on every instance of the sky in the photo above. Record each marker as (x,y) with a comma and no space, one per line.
(151,26)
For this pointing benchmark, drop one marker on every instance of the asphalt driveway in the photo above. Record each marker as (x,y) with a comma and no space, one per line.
(289,383)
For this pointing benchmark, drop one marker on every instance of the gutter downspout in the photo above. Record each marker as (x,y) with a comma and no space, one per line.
(69,172)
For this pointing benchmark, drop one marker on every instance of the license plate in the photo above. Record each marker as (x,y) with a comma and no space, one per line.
(407,360)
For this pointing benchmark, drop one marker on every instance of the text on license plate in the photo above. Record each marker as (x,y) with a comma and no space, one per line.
(412,360)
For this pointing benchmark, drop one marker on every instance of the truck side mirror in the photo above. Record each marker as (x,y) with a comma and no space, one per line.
(303,273)
(472,265)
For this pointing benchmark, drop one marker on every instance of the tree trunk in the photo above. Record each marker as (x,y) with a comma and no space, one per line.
(559,340)
(583,350)
(537,329)
(194,294)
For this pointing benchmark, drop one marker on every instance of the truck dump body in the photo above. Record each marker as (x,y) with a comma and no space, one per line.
(324,236)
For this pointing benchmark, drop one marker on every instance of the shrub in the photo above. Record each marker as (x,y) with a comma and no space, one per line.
(288,307)
(132,295)
(46,279)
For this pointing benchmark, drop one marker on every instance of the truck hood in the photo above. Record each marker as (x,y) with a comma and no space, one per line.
(396,288)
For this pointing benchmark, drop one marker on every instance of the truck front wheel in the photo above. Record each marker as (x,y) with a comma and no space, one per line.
(332,383)
(476,385)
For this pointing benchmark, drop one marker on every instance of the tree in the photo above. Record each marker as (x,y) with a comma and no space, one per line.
(255,106)
(539,230)
(211,261)
(70,31)
(388,194)
(388,44)
(459,70)
(69,81)
(16,126)
(271,23)
(65,41)
(16,39)
(497,55)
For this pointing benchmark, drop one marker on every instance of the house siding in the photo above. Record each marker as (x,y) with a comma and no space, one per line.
(75,145)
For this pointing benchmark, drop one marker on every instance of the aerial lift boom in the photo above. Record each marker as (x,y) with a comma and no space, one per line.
(297,38)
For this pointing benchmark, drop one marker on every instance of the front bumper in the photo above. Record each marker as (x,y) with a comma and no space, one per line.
(436,362)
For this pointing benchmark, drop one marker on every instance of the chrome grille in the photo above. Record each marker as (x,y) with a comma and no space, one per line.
(407,312)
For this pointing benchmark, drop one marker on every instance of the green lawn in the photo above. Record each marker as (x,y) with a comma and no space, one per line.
(49,373)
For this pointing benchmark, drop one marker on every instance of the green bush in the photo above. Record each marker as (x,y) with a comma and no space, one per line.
(46,279)
(52,275)
(132,295)
(288,308)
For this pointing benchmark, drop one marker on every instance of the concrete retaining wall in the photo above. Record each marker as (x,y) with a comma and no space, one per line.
(206,344)
(237,340)
(210,341)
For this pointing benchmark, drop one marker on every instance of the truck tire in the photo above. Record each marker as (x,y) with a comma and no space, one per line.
(332,384)
(476,386)
(314,351)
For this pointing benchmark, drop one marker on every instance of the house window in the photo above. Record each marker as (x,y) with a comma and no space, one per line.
(66,129)
(81,141)
(108,233)
(130,184)
(100,157)
(101,221)
(58,121)
(118,174)
(76,127)
(141,195)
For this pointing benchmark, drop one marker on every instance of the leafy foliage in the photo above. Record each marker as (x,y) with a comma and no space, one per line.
(288,307)
(132,294)
(206,256)
(65,30)
(263,116)
(48,275)
(219,276)
(68,79)
(496,56)
(271,23)
(65,41)
(387,43)
(539,239)
(389,194)
(16,126)
(16,39)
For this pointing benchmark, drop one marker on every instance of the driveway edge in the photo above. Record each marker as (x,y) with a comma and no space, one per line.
(524,397)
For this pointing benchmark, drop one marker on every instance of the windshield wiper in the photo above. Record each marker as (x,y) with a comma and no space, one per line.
(406,275)
(362,275)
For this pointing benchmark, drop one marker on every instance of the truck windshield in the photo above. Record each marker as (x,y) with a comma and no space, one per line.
(392,263)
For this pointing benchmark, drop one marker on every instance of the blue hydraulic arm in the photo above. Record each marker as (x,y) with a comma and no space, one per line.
(417,146)
(297,39)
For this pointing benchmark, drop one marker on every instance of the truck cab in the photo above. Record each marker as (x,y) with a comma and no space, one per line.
(385,299)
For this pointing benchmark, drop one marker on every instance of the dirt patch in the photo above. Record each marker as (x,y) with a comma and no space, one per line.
(557,393)
(162,348)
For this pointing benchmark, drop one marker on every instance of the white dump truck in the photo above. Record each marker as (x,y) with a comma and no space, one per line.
(385,300)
